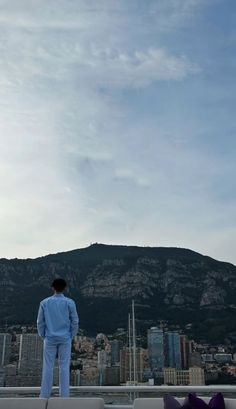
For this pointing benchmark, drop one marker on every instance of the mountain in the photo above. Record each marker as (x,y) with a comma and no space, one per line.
(174,284)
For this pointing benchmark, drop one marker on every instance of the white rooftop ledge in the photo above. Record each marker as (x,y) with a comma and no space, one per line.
(124,389)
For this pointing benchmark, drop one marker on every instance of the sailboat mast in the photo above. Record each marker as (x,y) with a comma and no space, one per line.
(134,341)
(130,348)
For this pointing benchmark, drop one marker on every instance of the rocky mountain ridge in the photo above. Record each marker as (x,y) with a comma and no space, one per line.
(178,285)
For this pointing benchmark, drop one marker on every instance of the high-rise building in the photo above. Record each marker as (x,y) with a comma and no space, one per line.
(156,349)
(116,346)
(186,349)
(102,362)
(5,349)
(29,370)
(102,359)
(30,360)
(127,367)
(30,349)
(172,350)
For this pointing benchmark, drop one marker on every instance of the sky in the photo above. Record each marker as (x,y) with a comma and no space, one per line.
(117,125)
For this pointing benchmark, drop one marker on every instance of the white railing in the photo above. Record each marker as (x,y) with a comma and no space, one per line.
(131,391)
(125,389)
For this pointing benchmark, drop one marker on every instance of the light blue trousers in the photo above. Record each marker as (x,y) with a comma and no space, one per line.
(50,350)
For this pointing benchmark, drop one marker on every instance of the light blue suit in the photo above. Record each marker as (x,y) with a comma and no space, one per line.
(57,324)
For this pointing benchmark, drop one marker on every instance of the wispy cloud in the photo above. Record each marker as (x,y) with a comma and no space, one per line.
(87,150)
(175,14)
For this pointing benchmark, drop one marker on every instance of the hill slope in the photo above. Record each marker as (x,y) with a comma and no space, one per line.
(175,284)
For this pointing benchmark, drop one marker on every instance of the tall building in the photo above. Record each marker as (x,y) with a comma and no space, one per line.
(172,350)
(186,349)
(30,360)
(29,370)
(102,359)
(156,349)
(102,363)
(5,349)
(127,367)
(30,350)
(116,346)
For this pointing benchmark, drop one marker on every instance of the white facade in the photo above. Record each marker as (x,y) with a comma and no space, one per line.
(193,376)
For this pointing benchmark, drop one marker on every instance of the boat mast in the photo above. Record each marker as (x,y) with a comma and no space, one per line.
(130,348)
(134,342)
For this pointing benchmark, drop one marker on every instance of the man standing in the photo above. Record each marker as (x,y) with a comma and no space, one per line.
(57,324)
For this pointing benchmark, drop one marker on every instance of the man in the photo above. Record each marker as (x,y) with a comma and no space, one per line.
(57,324)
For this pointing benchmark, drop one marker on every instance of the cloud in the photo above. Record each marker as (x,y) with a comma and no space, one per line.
(175,14)
(97,67)
(110,68)
(86,154)
(124,174)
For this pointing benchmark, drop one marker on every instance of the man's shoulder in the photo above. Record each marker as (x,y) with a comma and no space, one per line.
(69,300)
(45,300)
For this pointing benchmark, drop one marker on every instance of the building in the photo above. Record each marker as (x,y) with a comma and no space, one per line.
(207,358)
(172,350)
(89,376)
(186,348)
(112,375)
(10,375)
(102,359)
(2,377)
(102,363)
(196,376)
(223,358)
(30,350)
(116,346)
(192,376)
(156,349)
(195,359)
(127,367)
(172,376)
(75,377)
(5,349)
(29,370)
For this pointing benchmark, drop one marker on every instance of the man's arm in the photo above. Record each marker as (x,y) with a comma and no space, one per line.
(74,319)
(41,322)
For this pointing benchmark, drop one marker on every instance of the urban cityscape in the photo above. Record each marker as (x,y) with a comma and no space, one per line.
(161,357)
(117,204)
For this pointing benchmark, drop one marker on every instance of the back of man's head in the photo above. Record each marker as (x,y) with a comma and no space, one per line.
(59,285)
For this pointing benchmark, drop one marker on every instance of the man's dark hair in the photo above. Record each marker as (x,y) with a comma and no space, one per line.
(59,284)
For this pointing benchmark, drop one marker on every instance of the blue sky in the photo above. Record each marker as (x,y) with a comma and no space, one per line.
(117,125)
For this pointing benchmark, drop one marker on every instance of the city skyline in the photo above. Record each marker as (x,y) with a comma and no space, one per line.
(108,360)
(117,125)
